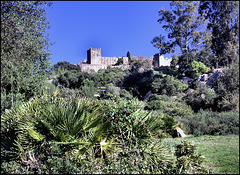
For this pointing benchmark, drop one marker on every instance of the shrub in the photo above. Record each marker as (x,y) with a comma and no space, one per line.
(113,89)
(88,89)
(51,134)
(212,123)
(125,94)
(197,68)
(202,98)
(168,106)
(168,85)
(188,161)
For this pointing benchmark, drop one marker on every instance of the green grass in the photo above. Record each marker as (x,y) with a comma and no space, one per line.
(221,152)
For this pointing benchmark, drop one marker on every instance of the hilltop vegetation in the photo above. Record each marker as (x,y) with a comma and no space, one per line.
(58,119)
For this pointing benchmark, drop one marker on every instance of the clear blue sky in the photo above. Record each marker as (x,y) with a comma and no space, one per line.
(114,26)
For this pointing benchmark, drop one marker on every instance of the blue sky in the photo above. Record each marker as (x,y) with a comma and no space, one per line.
(114,26)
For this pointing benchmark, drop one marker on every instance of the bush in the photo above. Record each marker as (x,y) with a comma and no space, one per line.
(125,94)
(188,161)
(168,106)
(202,98)
(168,85)
(212,123)
(227,89)
(197,68)
(52,134)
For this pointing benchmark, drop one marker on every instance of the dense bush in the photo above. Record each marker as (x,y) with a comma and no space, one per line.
(56,134)
(125,94)
(168,85)
(113,76)
(65,66)
(166,105)
(212,123)
(202,98)
(188,161)
(138,83)
(227,88)
(197,68)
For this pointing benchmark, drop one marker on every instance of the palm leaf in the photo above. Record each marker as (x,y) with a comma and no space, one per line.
(35,135)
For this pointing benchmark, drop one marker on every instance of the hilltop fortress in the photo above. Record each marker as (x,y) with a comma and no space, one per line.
(95,61)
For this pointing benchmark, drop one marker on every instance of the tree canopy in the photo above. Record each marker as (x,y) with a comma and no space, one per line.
(24,49)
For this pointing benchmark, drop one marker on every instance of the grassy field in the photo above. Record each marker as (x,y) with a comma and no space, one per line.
(221,152)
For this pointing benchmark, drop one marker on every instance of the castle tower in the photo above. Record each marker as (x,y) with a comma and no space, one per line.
(157,59)
(94,56)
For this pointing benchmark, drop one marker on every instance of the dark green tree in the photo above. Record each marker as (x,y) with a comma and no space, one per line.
(168,85)
(64,66)
(24,49)
(129,56)
(120,61)
(223,23)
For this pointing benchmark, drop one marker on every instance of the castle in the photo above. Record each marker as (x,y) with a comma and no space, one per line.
(95,61)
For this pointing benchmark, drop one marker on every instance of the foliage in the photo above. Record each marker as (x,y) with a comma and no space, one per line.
(223,22)
(65,66)
(129,57)
(182,25)
(125,94)
(88,89)
(140,66)
(138,83)
(74,79)
(202,98)
(24,50)
(197,68)
(112,75)
(188,161)
(56,134)
(167,85)
(113,89)
(212,123)
(166,105)
(120,61)
(227,88)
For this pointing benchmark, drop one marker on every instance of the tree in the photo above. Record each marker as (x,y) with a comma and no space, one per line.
(197,68)
(24,49)
(140,66)
(227,88)
(64,66)
(223,23)
(129,56)
(182,25)
(168,85)
(120,61)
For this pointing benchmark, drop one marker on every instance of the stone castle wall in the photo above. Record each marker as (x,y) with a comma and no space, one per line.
(91,67)
(95,61)
(109,60)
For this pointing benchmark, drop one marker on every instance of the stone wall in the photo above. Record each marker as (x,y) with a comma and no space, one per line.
(95,67)
(95,61)
(91,67)
(141,58)
(109,60)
